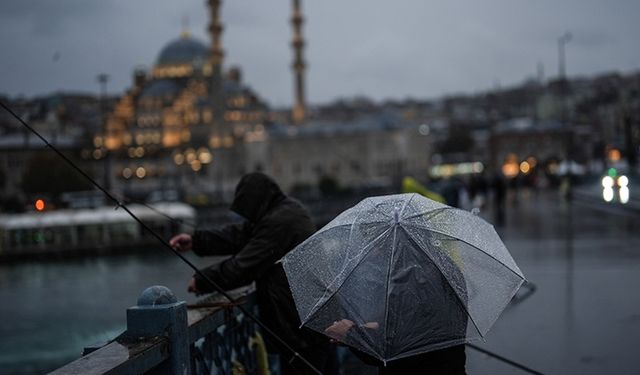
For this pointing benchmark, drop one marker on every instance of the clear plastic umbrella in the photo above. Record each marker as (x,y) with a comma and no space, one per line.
(407,275)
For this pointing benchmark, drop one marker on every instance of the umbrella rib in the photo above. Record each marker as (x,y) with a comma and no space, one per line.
(435,211)
(388,281)
(316,307)
(344,225)
(404,207)
(474,246)
(386,298)
(448,282)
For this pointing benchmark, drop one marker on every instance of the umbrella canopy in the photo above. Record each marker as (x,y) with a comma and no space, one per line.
(409,275)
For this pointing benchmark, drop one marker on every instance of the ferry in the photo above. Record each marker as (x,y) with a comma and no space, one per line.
(90,231)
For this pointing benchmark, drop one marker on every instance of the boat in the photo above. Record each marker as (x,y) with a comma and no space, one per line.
(90,231)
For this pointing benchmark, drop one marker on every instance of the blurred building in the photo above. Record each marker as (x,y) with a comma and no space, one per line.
(374,151)
(67,121)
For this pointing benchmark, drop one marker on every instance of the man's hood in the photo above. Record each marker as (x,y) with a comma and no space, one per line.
(255,195)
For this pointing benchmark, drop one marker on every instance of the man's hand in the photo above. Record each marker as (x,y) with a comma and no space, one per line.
(181,242)
(192,287)
(338,330)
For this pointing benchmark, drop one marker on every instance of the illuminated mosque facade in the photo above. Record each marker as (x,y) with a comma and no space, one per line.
(188,117)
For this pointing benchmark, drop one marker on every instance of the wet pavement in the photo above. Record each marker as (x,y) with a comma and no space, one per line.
(584,317)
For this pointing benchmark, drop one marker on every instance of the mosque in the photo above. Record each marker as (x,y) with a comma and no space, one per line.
(189,112)
(190,126)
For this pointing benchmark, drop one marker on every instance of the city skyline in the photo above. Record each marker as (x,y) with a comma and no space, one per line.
(375,49)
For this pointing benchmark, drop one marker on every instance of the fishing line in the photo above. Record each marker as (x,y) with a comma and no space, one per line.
(121,205)
(172,219)
(505,360)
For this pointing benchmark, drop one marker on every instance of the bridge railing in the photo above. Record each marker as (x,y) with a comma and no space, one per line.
(165,336)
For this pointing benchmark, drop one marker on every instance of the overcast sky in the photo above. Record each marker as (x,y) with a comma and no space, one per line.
(381,49)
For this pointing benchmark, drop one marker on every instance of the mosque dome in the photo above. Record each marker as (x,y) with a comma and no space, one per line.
(184,50)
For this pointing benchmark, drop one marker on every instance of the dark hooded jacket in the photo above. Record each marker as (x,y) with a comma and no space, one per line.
(274,225)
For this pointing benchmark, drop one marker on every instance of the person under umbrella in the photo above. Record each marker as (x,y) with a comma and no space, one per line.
(447,361)
(404,280)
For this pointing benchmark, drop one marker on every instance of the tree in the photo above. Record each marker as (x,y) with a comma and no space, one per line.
(328,185)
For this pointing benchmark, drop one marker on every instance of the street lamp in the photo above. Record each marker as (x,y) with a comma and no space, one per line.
(562,42)
(102,79)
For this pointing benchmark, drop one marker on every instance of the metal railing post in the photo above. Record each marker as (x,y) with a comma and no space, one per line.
(158,313)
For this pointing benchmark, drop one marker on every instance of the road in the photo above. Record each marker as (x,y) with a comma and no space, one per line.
(584,317)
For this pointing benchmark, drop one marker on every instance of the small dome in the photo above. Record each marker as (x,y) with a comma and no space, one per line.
(162,87)
(185,50)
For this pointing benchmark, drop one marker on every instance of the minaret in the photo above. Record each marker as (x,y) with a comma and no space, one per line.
(216,55)
(299,66)
(215,30)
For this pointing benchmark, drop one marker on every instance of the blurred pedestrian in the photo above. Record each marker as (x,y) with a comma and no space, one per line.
(478,191)
(499,197)
(274,225)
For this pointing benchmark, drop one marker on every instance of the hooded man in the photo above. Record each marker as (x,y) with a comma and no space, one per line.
(274,225)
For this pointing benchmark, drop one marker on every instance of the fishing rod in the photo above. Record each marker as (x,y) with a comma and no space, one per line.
(121,205)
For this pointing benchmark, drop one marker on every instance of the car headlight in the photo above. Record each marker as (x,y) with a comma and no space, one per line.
(607,182)
(623,181)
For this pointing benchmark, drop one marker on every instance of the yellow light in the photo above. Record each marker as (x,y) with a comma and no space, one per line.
(40,205)
(524,167)
(196,165)
(141,172)
(215,142)
(614,154)
(190,155)
(205,157)
(178,159)
(510,169)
